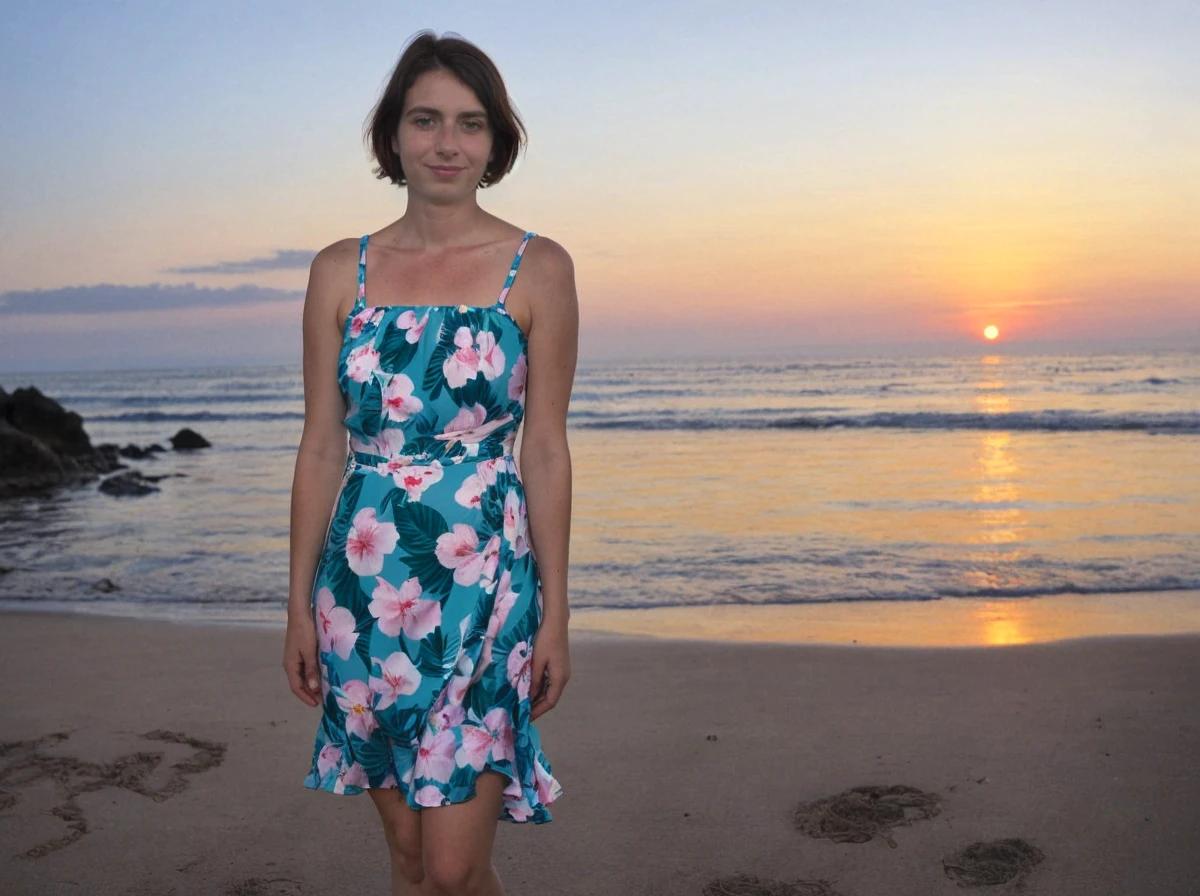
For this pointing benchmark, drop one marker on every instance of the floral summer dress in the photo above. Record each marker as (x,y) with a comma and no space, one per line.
(426,597)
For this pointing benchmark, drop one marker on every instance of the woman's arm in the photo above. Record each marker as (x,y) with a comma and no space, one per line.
(320,460)
(545,461)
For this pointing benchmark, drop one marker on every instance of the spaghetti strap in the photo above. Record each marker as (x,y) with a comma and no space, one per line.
(516,263)
(361,301)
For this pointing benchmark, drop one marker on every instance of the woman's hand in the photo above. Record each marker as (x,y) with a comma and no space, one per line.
(551,668)
(300,660)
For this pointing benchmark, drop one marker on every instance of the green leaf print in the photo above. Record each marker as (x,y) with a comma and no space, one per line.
(397,354)
(477,390)
(435,579)
(392,502)
(419,527)
(370,412)
(491,503)
(375,756)
(339,577)
(437,654)
(434,380)
(362,645)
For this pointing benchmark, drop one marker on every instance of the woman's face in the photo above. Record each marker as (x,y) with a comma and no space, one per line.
(443,125)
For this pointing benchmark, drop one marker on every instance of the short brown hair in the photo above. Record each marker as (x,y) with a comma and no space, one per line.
(425,52)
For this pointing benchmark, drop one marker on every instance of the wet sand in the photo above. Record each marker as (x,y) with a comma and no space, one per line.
(167,758)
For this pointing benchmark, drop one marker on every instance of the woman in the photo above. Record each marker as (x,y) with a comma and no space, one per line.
(419,619)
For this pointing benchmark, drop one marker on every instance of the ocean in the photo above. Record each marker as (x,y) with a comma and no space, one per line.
(761,481)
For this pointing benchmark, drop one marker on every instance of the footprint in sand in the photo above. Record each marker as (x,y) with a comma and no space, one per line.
(864,813)
(23,762)
(747,885)
(992,862)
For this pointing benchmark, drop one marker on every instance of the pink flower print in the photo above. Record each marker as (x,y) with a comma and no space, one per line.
(353,775)
(359,321)
(447,713)
(520,662)
(516,523)
(499,722)
(487,469)
(457,550)
(470,425)
(408,321)
(513,789)
(463,363)
(369,540)
(470,493)
(335,625)
(429,795)
(456,688)
(516,380)
(505,598)
(394,464)
(415,478)
(328,759)
(398,400)
(404,609)
(519,809)
(548,789)
(435,756)
(491,560)
(388,443)
(491,356)
(397,676)
(447,710)
(362,362)
(355,700)
(494,737)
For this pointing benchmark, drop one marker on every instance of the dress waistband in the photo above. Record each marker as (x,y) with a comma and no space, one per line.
(383,463)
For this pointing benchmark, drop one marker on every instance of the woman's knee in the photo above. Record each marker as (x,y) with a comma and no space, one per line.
(407,859)
(402,830)
(450,873)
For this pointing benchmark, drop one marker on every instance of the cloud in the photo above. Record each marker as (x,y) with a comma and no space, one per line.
(282,260)
(111,297)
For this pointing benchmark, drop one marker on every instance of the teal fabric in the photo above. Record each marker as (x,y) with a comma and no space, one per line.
(426,598)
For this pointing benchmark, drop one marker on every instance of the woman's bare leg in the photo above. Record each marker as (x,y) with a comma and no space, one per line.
(457,841)
(402,830)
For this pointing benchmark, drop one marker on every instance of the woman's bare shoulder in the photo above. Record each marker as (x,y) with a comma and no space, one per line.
(336,256)
(554,270)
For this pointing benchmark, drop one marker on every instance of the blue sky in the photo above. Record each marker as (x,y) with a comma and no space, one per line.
(858,176)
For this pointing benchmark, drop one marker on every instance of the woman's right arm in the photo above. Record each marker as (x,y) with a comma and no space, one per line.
(320,461)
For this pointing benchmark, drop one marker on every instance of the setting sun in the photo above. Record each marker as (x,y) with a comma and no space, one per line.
(991,331)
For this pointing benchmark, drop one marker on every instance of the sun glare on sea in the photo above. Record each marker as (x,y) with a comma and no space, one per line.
(991,332)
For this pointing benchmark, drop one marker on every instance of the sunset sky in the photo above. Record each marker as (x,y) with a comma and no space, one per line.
(769,177)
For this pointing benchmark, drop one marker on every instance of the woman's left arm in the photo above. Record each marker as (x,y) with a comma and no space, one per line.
(545,461)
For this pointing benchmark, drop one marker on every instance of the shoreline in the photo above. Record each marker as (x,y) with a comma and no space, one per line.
(936,623)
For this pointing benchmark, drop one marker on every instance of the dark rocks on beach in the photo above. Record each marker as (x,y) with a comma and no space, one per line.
(44,446)
(137,452)
(187,439)
(131,482)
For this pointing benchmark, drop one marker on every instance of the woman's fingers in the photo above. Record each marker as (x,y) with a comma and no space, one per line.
(548,693)
(303,674)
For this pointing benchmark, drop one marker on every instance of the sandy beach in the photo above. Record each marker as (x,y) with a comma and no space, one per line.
(166,758)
